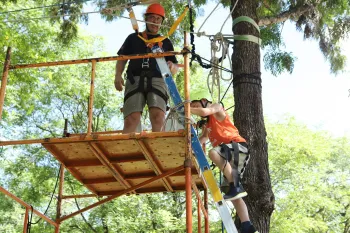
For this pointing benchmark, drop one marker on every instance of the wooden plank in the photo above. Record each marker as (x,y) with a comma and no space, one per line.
(96,162)
(61,157)
(154,163)
(114,165)
(112,169)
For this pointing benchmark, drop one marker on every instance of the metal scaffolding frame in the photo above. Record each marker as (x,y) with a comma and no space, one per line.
(99,143)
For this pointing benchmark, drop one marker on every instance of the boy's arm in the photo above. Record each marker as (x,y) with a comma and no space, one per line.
(204,136)
(212,109)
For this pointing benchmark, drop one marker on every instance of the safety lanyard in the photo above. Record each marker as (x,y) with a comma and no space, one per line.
(145,61)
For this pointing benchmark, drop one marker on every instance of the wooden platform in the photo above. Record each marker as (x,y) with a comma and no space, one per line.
(108,163)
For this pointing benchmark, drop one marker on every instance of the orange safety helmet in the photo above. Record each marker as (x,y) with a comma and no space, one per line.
(157,9)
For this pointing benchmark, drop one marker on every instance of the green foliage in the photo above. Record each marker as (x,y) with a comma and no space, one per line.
(309,178)
(277,61)
(309,173)
(328,22)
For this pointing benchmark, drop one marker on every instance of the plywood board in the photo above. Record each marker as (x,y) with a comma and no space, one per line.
(107,167)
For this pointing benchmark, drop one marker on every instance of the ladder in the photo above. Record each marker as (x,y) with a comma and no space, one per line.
(208,175)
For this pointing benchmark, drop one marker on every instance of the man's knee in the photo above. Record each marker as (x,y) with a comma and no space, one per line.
(157,116)
(132,119)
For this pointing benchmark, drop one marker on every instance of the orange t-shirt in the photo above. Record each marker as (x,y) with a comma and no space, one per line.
(222,131)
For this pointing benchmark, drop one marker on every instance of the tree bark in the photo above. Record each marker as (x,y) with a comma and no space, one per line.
(248,117)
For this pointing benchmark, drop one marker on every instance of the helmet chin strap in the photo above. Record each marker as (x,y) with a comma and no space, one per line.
(149,32)
(203,105)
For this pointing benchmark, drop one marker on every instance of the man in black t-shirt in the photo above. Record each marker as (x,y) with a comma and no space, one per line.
(144,82)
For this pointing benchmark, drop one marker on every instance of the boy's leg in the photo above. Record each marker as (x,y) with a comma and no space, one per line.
(241,209)
(220,162)
(235,190)
(242,212)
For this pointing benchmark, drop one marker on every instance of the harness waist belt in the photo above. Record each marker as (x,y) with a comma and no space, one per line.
(146,73)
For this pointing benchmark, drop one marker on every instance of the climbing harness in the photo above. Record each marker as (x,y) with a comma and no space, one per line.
(238,162)
(145,71)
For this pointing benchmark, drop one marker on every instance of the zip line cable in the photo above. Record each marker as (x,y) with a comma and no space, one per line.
(30,223)
(82,13)
(233,8)
(53,193)
(208,18)
(209,65)
(41,7)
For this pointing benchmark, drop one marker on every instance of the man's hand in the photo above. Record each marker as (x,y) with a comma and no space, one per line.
(118,82)
(173,67)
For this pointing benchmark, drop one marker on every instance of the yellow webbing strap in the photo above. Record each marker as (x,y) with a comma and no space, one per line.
(250,38)
(171,31)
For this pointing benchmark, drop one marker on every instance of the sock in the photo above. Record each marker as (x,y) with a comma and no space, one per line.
(245,225)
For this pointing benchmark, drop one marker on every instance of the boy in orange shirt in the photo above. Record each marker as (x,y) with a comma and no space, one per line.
(229,153)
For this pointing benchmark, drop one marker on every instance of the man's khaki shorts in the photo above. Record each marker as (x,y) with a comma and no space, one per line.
(137,102)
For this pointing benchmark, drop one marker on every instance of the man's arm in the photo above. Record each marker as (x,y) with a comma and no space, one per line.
(174,68)
(119,81)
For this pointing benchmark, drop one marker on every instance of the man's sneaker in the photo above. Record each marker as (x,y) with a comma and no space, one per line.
(235,193)
(250,230)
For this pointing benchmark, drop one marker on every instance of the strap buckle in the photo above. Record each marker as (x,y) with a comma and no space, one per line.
(145,63)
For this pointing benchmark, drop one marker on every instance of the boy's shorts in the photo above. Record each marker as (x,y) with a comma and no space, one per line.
(242,163)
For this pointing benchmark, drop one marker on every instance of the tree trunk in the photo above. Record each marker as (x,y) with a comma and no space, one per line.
(248,117)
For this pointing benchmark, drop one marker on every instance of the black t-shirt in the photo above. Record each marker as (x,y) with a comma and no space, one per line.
(135,45)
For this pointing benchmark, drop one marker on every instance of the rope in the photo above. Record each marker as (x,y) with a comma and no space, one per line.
(218,42)
(174,116)
(234,6)
(82,13)
(226,91)
(198,32)
(222,45)
(130,4)
(192,38)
